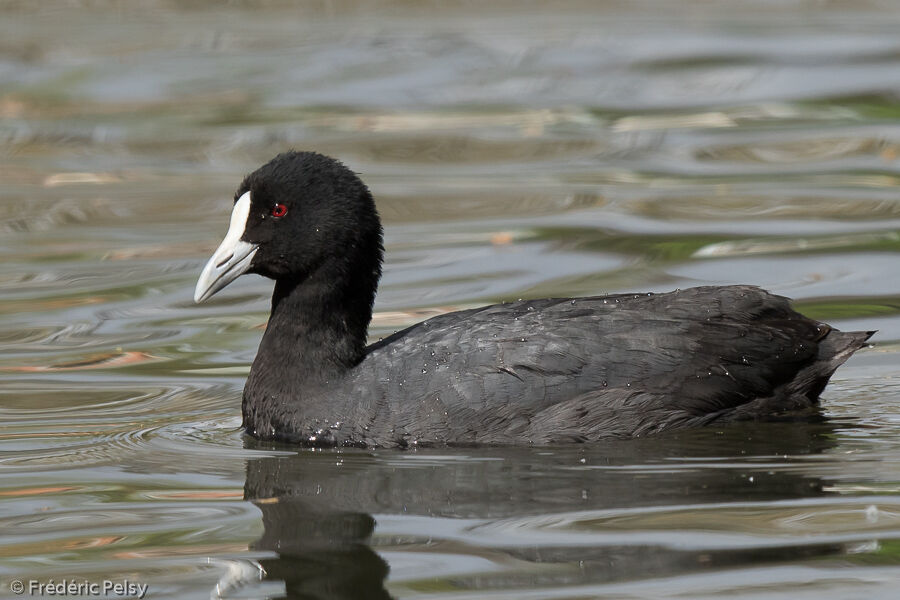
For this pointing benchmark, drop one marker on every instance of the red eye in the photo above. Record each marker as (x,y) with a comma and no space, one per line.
(279,210)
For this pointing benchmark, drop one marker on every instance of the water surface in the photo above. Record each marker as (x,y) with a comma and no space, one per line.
(514,152)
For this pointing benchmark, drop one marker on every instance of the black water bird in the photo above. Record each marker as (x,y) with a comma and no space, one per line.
(528,372)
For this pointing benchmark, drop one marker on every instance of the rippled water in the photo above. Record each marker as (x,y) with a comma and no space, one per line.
(513,152)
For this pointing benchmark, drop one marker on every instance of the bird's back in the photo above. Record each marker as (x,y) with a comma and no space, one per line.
(613,366)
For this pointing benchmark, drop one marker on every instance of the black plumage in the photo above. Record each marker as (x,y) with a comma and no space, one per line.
(538,371)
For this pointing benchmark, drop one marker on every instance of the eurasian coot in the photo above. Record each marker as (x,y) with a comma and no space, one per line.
(527,372)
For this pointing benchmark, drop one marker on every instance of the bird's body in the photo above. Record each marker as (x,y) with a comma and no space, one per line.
(527,372)
(561,370)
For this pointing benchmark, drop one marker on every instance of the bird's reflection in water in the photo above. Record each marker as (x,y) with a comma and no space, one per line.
(322,546)
(321,554)
(318,506)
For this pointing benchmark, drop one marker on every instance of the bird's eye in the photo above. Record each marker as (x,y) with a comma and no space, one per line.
(279,210)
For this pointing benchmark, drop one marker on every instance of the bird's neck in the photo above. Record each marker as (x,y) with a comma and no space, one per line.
(318,325)
(315,336)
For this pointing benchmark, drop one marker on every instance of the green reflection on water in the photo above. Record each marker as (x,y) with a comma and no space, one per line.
(866,306)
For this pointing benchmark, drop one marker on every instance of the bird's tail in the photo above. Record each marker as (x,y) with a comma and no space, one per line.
(834,349)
